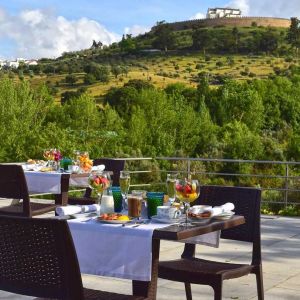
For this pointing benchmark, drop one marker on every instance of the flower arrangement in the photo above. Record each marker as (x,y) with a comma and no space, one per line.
(52,154)
(84,162)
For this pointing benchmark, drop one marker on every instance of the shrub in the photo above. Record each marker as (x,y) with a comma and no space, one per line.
(207,58)
(219,64)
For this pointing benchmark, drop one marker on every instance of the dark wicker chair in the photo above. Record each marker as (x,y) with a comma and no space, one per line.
(38,259)
(13,186)
(114,165)
(189,269)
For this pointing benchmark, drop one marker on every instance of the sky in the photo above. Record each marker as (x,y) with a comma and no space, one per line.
(34,28)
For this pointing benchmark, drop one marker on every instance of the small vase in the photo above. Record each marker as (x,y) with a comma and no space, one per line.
(55,165)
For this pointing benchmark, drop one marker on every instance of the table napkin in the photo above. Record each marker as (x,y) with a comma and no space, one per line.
(217,210)
(211,239)
(76,209)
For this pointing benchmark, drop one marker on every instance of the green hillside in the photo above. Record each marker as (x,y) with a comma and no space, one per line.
(164,56)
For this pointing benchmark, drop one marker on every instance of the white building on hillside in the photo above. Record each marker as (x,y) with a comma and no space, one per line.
(12,64)
(31,62)
(213,13)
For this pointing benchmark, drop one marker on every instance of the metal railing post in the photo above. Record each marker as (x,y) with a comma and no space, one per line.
(286,185)
(188,168)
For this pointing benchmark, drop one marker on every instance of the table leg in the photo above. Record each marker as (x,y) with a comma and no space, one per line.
(149,288)
(62,198)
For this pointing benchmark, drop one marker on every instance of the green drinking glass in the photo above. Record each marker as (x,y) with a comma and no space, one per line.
(154,199)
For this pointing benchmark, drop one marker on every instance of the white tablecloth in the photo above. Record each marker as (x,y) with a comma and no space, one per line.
(39,182)
(113,250)
(79,181)
(49,182)
(123,252)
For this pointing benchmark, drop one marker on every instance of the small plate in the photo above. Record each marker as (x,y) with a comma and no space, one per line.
(113,221)
(200,220)
(83,215)
(166,221)
(224,216)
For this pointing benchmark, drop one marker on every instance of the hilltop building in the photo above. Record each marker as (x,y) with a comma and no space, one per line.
(228,17)
(218,12)
(14,64)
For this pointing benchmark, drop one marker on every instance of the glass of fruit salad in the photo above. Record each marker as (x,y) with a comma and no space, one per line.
(187,191)
(99,181)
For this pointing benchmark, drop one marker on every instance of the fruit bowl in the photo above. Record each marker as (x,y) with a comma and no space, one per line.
(187,190)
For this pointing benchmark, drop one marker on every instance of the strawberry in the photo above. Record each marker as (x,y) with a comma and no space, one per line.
(97,180)
(179,187)
(188,189)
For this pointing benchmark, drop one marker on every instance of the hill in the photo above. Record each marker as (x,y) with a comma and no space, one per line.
(164,56)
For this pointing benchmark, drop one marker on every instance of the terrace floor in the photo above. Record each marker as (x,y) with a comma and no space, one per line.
(281,267)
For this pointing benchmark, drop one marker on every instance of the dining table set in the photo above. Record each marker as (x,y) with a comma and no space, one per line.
(123,239)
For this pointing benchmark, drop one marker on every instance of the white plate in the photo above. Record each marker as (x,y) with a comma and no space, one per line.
(200,220)
(83,215)
(113,221)
(224,216)
(165,221)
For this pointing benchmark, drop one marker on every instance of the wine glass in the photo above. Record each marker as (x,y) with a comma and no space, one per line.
(170,184)
(124,186)
(187,191)
(99,181)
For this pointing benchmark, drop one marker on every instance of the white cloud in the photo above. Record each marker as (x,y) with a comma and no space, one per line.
(39,33)
(198,16)
(267,8)
(136,30)
(243,5)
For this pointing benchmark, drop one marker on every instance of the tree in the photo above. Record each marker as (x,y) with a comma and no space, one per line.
(22,118)
(127,44)
(96,45)
(89,79)
(71,79)
(125,70)
(139,84)
(236,36)
(164,37)
(201,39)
(230,61)
(116,71)
(268,41)
(100,72)
(293,36)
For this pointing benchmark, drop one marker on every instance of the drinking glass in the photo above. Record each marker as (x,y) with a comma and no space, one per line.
(124,186)
(99,181)
(154,199)
(170,183)
(187,191)
(116,191)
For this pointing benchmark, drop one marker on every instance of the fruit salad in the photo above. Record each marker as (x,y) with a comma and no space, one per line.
(187,191)
(99,182)
(114,217)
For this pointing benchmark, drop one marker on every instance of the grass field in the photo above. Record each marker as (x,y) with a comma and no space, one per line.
(163,70)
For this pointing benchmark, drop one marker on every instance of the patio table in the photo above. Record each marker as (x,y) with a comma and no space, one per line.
(56,183)
(132,252)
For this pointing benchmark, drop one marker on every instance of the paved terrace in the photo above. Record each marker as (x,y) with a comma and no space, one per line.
(281,266)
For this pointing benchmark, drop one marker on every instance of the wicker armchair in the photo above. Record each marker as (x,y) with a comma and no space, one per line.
(189,269)
(13,186)
(38,259)
(114,165)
